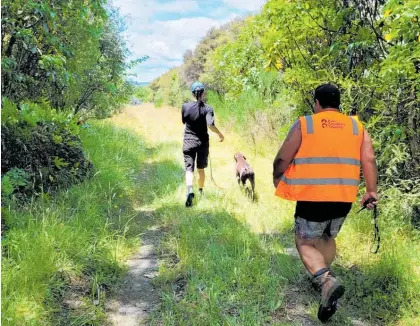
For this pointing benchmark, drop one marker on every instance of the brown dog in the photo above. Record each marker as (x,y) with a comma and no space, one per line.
(244,172)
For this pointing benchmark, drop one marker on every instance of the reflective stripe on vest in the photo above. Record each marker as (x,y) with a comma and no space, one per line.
(320,181)
(355,127)
(326,160)
(309,124)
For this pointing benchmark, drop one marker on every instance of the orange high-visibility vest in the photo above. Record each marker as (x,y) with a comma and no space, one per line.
(327,164)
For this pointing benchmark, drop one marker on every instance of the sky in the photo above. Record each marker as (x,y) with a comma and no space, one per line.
(164,30)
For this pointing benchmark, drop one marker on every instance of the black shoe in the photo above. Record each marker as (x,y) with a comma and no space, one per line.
(201,191)
(189,201)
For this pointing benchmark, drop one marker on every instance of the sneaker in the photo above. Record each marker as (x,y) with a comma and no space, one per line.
(189,201)
(201,191)
(331,291)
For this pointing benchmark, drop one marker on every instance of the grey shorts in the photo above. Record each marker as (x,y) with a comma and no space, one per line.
(314,230)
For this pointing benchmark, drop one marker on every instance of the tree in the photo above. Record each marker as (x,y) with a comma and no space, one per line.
(60,59)
(195,61)
(71,54)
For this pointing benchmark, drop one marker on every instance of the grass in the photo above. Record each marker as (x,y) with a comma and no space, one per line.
(231,276)
(227,260)
(61,254)
(259,117)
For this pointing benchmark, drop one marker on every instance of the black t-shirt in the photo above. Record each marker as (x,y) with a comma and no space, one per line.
(321,211)
(196,117)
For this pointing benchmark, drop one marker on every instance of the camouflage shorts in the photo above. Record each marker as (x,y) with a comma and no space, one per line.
(314,230)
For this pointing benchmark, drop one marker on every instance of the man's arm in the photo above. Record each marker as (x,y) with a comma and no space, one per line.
(211,124)
(287,152)
(370,171)
(217,131)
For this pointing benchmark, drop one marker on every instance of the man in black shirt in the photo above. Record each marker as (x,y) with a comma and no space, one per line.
(197,116)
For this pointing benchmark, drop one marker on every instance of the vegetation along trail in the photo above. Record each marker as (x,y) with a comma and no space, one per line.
(228,260)
(93,219)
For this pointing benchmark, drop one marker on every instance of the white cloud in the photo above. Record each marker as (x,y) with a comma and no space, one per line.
(145,9)
(179,6)
(220,12)
(133,8)
(142,73)
(166,40)
(248,5)
(170,39)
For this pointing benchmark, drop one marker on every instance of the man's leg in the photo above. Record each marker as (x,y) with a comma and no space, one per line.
(326,246)
(316,239)
(308,237)
(316,245)
(311,256)
(189,179)
(202,159)
(189,158)
(201,178)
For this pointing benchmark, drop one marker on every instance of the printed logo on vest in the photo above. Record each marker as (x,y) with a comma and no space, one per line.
(332,124)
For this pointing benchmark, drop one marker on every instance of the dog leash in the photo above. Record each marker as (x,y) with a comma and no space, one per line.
(377,237)
(211,174)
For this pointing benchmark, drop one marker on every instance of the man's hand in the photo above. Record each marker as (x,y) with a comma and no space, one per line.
(368,195)
(217,131)
(370,171)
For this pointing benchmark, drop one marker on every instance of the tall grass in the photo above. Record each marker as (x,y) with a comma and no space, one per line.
(385,287)
(261,114)
(61,254)
(227,262)
(231,276)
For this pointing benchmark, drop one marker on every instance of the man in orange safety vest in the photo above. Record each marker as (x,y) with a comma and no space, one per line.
(318,166)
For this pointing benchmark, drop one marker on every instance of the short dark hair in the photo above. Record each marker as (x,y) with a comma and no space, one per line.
(328,96)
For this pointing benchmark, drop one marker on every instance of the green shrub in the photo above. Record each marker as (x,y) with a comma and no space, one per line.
(13,180)
(178,95)
(42,147)
(73,56)
(144,94)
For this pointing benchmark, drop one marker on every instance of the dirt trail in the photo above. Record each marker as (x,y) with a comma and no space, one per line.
(137,297)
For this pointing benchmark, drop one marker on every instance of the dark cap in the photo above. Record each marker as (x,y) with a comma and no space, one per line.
(328,96)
